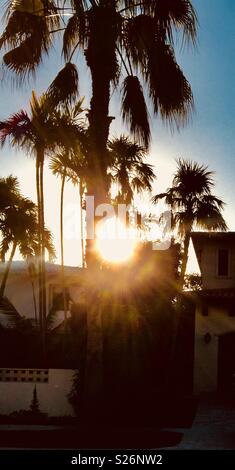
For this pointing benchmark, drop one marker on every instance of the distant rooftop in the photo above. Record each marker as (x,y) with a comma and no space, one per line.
(21,266)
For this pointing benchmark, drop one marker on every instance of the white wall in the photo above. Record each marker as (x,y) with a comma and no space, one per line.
(209,265)
(216,323)
(19,290)
(52,396)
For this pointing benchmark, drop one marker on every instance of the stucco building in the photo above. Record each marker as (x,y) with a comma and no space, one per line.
(19,376)
(214,347)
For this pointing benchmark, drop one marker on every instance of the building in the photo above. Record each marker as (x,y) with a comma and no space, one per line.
(214,347)
(53,387)
(22,291)
(19,375)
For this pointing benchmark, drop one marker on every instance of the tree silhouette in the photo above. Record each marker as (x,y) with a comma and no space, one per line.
(19,229)
(192,203)
(39,133)
(130,38)
(34,405)
(128,169)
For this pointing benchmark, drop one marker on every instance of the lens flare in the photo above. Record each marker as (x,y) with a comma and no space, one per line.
(115,242)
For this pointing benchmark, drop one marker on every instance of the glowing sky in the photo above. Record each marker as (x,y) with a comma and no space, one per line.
(209,139)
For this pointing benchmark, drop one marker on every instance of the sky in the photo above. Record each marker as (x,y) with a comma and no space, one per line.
(208,139)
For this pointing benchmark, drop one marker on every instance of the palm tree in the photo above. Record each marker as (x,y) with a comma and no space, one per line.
(140,46)
(61,165)
(69,163)
(70,167)
(192,203)
(9,194)
(19,229)
(39,133)
(33,275)
(30,132)
(128,169)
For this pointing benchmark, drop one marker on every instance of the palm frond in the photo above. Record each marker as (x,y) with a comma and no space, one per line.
(139,186)
(128,169)
(159,196)
(64,87)
(28,37)
(208,216)
(145,173)
(15,127)
(4,245)
(56,165)
(61,164)
(191,200)
(169,90)
(49,245)
(75,32)
(191,177)
(210,199)
(134,110)
(139,36)
(123,148)
(41,8)
(172,15)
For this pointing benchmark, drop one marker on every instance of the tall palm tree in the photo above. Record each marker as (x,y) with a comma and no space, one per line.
(140,46)
(9,192)
(72,168)
(19,229)
(128,169)
(70,161)
(61,165)
(31,133)
(33,276)
(39,133)
(64,163)
(192,203)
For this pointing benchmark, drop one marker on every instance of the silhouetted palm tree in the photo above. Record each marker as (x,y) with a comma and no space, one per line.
(72,168)
(63,163)
(70,161)
(19,229)
(9,192)
(60,165)
(39,133)
(134,38)
(33,133)
(128,169)
(192,203)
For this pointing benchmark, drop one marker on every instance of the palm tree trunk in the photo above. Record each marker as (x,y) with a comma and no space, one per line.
(81,221)
(41,263)
(185,257)
(34,302)
(44,300)
(40,242)
(96,187)
(7,270)
(31,275)
(62,244)
(101,59)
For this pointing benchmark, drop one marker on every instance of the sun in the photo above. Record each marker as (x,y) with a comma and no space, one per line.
(115,242)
